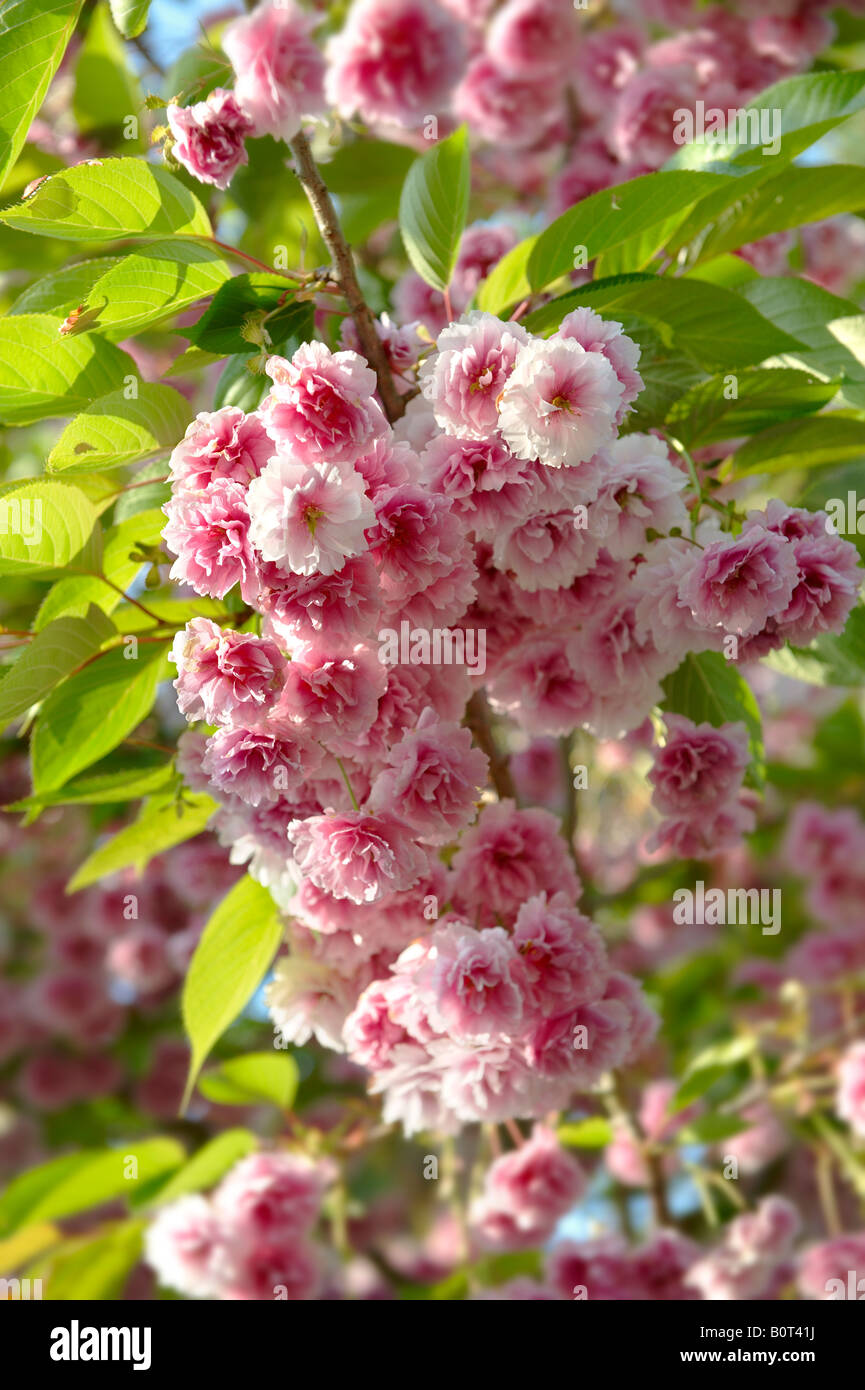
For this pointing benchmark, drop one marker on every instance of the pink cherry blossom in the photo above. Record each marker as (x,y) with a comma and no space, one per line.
(432,779)
(221,444)
(739,583)
(507,856)
(699,766)
(209,534)
(464,379)
(280,71)
(506,109)
(356,855)
(395,61)
(595,334)
(562,955)
(308,518)
(271,1196)
(322,408)
(224,676)
(559,403)
(209,136)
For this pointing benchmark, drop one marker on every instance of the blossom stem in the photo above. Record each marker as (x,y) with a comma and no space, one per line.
(148,613)
(348,785)
(569,823)
(343,264)
(515,1132)
(692,473)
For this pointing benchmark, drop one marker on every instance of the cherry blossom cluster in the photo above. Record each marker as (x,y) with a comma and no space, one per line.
(507,502)
(754,1261)
(77,970)
(593,104)
(251,1239)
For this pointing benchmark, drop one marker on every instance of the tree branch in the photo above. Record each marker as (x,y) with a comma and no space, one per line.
(343,264)
(477,720)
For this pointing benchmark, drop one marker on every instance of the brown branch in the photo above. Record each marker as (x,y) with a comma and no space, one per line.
(343,264)
(477,719)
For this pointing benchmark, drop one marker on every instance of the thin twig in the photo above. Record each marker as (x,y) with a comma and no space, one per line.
(343,265)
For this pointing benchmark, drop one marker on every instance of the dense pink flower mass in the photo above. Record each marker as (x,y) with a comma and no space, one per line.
(505,541)
(251,1239)
(279,69)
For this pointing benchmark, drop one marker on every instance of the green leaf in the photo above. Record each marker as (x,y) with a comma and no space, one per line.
(92,1267)
(722,1054)
(150,491)
(810,107)
(208,1165)
(159,280)
(106,91)
(508,281)
(236,948)
(115,430)
(708,1129)
(704,415)
(796,444)
(367,166)
(33,39)
(130,16)
(667,373)
(699,1080)
(593,1133)
(608,218)
(679,310)
(219,328)
(93,711)
(63,290)
(56,651)
(836,660)
(367,176)
(43,374)
(87,1179)
(162,823)
(709,690)
(125,776)
(790,199)
(820,320)
(109,199)
(251,1079)
(46,526)
(433,208)
(239,386)
(74,594)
